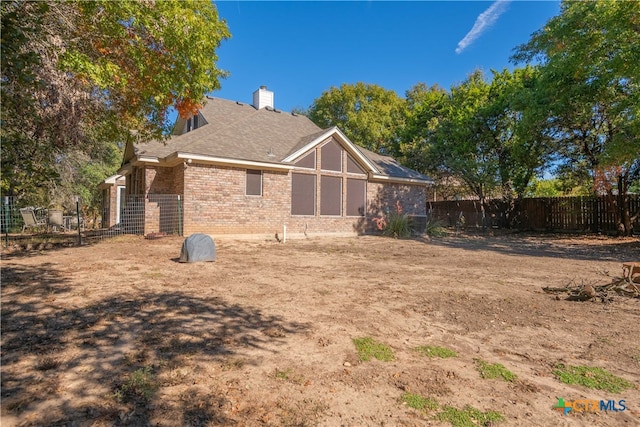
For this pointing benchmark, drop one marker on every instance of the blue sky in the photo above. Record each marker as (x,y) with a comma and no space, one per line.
(300,49)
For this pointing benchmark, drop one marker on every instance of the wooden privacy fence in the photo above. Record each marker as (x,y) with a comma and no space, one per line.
(578,214)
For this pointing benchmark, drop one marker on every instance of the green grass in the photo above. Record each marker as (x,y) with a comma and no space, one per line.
(367,348)
(435,351)
(591,377)
(494,371)
(140,384)
(399,226)
(418,402)
(435,228)
(468,417)
(283,375)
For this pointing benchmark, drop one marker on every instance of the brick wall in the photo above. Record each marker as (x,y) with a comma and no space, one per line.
(382,198)
(214,201)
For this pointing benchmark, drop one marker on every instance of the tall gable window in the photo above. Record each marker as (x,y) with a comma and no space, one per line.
(303,194)
(356,196)
(334,185)
(254,183)
(330,195)
(331,157)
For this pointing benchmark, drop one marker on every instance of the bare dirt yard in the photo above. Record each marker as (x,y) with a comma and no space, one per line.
(120,333)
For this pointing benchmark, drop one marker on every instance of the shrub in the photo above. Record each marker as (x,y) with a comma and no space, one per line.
(396,224)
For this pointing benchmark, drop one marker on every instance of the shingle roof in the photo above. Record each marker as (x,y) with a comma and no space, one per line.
(238,131)
(241,132)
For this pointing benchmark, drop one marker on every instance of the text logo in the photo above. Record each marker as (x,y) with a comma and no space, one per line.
(589,405)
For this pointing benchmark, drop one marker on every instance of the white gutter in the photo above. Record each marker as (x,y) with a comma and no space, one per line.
(400,180)
(228,162)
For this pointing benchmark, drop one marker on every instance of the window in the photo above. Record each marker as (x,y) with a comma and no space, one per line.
(356,196)
(352,166)
(254,183)
(330,195)
(192,123)
(303,194)
(308,161)
(331,157)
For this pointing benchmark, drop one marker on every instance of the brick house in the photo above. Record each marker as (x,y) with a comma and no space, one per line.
(240,168)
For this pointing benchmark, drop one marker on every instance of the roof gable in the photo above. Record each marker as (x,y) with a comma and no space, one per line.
(235,133)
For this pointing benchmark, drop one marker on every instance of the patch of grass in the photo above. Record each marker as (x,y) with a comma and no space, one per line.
(468,417)
(290,376)
(154,274)
(46,363)
(418,402)
(435,351)
(140,384)
(591,377)
(494,371)
(282,375)
(233,364)
(367,348)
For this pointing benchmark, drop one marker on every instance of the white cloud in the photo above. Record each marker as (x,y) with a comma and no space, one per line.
(485,20)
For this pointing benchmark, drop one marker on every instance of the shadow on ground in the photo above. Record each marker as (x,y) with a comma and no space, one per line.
(107,361)
(611,249)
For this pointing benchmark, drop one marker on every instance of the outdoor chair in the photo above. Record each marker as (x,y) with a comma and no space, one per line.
(30,219)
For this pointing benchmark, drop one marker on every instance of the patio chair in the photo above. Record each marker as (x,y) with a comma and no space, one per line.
(30,219)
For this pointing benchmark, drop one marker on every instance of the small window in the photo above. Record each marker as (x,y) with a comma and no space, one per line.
(254,183)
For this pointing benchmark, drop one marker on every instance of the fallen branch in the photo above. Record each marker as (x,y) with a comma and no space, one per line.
(585,292)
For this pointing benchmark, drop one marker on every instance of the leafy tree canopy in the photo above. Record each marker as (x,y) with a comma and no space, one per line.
(369,115)
(78,75)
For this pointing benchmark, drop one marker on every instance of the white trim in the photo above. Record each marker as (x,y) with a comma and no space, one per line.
(386,178)
(247,164)
(348,146)
(118,201)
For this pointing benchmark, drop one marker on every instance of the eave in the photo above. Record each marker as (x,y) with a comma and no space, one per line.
(398,180)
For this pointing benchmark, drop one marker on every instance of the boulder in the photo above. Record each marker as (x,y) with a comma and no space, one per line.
(198,247)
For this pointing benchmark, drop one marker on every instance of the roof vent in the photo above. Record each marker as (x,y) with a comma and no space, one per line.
(262,98)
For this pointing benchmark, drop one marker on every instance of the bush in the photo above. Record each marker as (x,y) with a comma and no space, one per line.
(396,224)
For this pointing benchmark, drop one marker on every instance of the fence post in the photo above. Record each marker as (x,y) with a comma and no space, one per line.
(179,217)
(78,217)
(5,215)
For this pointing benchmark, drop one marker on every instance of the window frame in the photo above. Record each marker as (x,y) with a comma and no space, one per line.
(248,182)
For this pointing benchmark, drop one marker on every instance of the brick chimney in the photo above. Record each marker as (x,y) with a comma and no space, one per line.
(262,98)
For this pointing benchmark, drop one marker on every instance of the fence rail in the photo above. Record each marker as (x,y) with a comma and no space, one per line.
(573,214)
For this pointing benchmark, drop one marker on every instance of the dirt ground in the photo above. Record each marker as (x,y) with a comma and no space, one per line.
(120,333)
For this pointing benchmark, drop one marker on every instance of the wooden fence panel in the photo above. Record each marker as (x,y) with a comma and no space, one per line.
(577,214)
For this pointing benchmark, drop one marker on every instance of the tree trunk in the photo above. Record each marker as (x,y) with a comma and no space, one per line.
(625,226)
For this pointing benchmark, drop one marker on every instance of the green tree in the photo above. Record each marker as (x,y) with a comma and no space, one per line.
(369,115)
(590,76)
(80,75)
(459,146)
